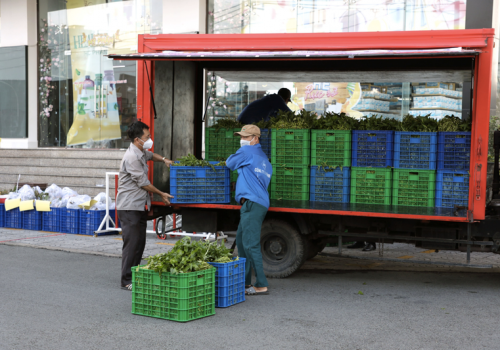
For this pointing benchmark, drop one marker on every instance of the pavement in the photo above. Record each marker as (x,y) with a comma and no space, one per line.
(55,300)
(390,257)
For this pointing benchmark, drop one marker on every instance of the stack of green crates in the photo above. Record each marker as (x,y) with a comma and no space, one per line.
(290,158)
(331,147)
(413,187)
(220,144)
(371,185)
(182,297)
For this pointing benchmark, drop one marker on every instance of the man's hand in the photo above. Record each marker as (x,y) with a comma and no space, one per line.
(165,197)
(168,162)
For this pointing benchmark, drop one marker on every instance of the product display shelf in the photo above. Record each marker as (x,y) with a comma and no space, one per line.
(413,187)
(290,183)
(32,220)
(70,220)
(229,282)
(200,184)
(442,95)
(330,185)
(453,150)
(291,147)
(372,148)
(415,150)
(452,189)
(331,147)
(220,144)
(51,220)
(13,218)
(371,185)
(182,297)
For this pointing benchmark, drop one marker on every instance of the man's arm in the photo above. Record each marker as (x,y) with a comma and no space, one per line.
(237,160)
(158,158)
(165,197)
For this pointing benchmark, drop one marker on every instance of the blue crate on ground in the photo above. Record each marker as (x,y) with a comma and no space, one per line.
(415,150)
(90,220)
(14,218)
(70,220)
(331,186)
(372,148)
(265,141)
(452,189)
(229,283)
(2,215)
(200,184)
(32,220)
(51,220)
(453,151)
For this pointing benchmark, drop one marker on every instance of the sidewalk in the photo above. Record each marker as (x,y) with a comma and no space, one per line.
(396,257)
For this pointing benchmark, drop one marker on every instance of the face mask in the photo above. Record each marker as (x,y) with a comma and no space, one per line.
(245,142)
(148,144)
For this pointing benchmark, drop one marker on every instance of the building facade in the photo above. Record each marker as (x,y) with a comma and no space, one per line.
(65,107)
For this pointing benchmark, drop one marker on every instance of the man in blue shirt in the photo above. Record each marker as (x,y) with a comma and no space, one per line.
(254,175)
(265,108)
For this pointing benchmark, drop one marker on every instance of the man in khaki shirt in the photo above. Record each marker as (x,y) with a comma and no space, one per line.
(133,196)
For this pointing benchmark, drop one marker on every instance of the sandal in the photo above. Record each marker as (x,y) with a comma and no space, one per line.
(128,287)
(252,291)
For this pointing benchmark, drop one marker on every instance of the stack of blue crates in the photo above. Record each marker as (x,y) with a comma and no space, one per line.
(330,185)
(90,220)
(372,148)
(70,220)
(52,220)
(14,218)
(32,220)
(452,182)
(2,215)
(415,150)
(229,283)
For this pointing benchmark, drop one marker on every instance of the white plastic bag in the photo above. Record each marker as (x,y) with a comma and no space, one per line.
(13,195)
(74,202)
(54,192)
(66,191)
(37,189)
(101,198)
(26,193)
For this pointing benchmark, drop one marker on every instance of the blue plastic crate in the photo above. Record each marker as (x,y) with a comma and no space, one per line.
(452,189)
(229,283)
(32,220)
(14,218)
(265,141)
(51,220)
(2,215)
(332,186)
(200,184)
(70,220)
(90,220)
(415,150)
(372,148)
(453,151)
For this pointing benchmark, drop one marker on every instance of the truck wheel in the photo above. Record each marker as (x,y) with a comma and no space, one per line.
(283,250)
(315,246)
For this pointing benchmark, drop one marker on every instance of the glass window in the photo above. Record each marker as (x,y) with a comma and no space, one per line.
(13,92)
(87,100)
(314,16)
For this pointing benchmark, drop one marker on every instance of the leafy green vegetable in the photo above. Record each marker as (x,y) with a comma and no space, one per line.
(378,123)
(189,256)
(334,121)
(191,160)
(290,120)
(452,123)
(263,124)
(419,123)
(226,123)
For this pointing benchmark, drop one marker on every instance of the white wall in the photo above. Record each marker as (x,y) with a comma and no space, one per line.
(19,28)
(184,16)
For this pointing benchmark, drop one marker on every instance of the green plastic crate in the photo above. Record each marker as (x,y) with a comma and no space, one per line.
(220,144)
(371,185)
(413,187)
(290,147)
(331,147)
(183,297)
(290,183)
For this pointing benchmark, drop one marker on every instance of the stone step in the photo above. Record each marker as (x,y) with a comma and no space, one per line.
(56,171)
(63,162)
(56,153)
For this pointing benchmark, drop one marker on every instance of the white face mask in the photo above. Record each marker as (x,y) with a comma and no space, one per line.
(148,144)
(245,142)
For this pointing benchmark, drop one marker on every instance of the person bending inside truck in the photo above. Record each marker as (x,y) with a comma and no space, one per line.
(265,108)
(254,175)
(133,196)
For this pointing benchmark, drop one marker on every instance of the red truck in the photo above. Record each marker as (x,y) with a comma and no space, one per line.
(172,100)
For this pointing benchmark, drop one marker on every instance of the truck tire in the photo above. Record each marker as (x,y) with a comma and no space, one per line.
(283,249)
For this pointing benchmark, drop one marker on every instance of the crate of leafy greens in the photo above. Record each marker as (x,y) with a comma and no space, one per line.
(415,143)
(229,275)
(413,187)
(331,185)
(291,138)
(290,183)
(198,181)
(178,285)
(220,141)
(452,188)
(371,185)
(331,140)
(454,141)
(372,144)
